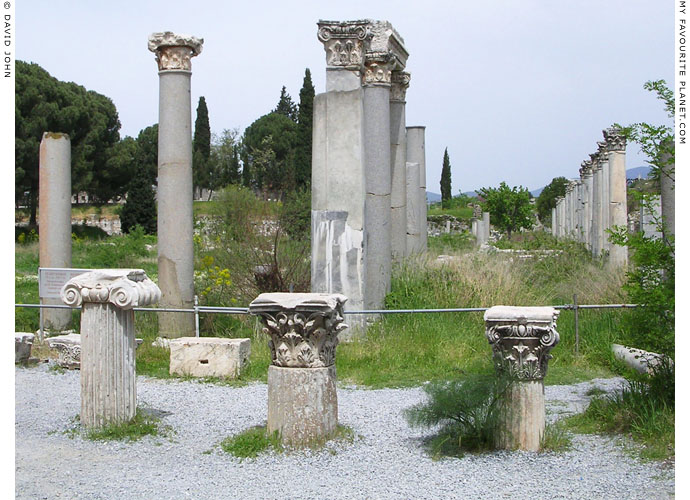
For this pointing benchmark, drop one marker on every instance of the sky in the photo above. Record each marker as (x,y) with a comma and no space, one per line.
(518,91)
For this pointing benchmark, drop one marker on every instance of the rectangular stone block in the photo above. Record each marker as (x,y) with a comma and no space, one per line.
(208,356)
(22,346)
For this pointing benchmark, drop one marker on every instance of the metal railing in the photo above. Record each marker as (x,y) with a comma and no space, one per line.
(197,310)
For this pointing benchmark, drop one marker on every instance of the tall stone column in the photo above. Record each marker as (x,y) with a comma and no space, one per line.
(568,204)
(588,198)
(618,188)
(303,330)
(400,80)
(175,197)
(559,216)
(55,216)
(108,375)
(668,189)
(416,154)
(553,222)
(377,178)
(521,339)
(605,197)
(413,242)
(486,224)
(596,205)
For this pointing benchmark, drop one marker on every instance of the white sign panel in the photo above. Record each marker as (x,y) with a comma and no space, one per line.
(52,279)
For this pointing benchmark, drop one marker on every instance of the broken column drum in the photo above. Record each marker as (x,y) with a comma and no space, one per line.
(175,197)
(55,216)
(108,376)
(521,339)
(303,330)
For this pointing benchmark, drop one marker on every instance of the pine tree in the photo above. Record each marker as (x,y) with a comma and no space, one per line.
(140,207)
(305,118)
(286,106)
(201,147)
(445,181)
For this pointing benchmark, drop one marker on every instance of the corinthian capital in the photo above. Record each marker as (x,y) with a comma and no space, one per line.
(400,80)
(174,51)
(124,288)
(586,168)
(521,339)
(344,42)
(614,138)
(378,69)
(303,327)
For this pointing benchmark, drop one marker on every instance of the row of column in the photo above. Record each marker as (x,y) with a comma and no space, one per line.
(368,167)
(596,202)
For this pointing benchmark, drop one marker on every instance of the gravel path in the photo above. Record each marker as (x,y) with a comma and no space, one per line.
(386,461)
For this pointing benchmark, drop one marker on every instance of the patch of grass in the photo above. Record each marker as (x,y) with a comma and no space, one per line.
(556,437)
(644,410)
(143,424)
(595,391)
(256,440)
(451,242)
(457,212)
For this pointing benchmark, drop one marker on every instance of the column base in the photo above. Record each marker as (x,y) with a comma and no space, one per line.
(302,404)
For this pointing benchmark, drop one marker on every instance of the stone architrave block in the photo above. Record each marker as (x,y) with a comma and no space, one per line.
(22,346)
(68,349)
(208,356)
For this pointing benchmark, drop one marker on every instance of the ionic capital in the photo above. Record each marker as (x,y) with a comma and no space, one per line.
(124,288)
(521,339)
(400,80)
(174,51)
(303,327)
(614,138)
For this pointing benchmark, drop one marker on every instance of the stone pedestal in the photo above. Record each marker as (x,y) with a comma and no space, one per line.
(302,397)
(175,196)
(521,339)
(55,216)
(618,184)
(208,356)
(108,377)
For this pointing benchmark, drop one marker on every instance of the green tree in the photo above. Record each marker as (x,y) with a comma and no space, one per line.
(268,153)
(510,208)
(201,147)
(224,164)
(547,198)
(445,181)
(305,118)
(45,104)
(140,207)
(285,105)
(146,155)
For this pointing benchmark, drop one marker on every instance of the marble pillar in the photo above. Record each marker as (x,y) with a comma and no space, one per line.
(521,339)
(414,243)
(668,189)
(416,154)
(303,330)
(175,197)
(618,184)
(400,80)
(596,205)
(486,227)
(605,197)
(553,222)
(588,201)
(108,375)
(55,216)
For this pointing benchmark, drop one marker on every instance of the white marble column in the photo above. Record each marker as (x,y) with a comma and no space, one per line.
(55,216)
(618,184)
(596,205)
(175,197)
(553,222)
(416,154)
(588,201)
(605,197)
(302,396)
(521,339)
(399,83)
(108,375)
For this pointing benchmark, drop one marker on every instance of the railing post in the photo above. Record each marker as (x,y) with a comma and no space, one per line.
(577,326)
(196,315)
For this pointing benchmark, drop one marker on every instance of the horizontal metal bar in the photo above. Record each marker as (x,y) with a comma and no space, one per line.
(245,310)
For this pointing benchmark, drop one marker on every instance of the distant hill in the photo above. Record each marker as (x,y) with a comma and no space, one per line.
(641,172)
(432,197)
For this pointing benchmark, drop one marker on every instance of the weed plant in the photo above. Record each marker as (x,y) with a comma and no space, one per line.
(143,424)
(644,410)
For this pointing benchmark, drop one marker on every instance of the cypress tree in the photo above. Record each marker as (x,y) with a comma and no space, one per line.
(286,106)
(140,207)
(201,147)
(305,118)
(445,181)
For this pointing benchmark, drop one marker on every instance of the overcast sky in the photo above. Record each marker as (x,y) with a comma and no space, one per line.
(518,91)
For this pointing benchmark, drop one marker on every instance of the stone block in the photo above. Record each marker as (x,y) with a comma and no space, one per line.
(208,356)
(302,404)
(22,346)
(68,348)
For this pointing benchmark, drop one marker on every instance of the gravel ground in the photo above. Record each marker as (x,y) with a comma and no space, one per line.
(385,461)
